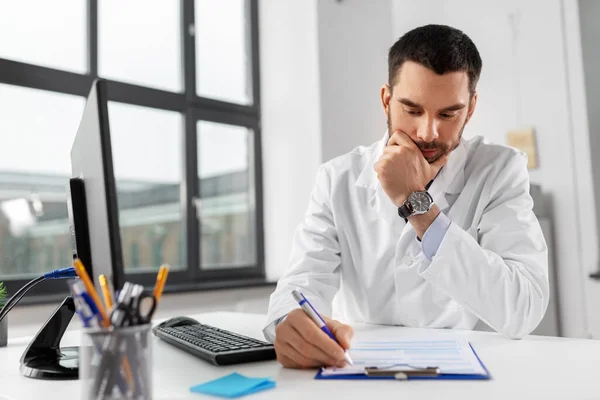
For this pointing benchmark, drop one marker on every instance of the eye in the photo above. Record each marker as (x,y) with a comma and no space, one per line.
(413,112)
(447,115)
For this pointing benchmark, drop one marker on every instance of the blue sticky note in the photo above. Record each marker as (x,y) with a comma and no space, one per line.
(233,385)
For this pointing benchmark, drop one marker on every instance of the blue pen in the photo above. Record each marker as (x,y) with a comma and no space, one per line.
(314,315)
(83,308)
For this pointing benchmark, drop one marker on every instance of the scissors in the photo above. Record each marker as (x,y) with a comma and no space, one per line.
(134,307)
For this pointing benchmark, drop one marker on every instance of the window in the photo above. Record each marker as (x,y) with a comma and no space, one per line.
(29,34)
(222,66)
(184,118)
(33,180)
(147,158)
(139,41)
(226,217)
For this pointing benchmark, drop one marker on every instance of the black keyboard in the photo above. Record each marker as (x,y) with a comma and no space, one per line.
(218,346)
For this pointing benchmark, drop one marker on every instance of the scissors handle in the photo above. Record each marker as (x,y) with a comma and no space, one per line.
(135,307)
(143,313)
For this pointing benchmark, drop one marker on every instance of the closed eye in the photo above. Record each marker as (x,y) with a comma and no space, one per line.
(413,112)
(447,115)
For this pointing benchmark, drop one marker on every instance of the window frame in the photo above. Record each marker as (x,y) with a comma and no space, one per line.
(192,108)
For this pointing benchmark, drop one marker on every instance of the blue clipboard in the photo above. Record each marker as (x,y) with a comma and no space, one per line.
(487,375)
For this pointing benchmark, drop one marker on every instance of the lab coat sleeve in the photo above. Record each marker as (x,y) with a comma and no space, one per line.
(499,269)
(314,266)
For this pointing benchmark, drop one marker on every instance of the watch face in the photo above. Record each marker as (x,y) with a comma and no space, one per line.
(420,202)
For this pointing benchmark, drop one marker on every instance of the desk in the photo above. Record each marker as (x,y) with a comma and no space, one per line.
(533,368)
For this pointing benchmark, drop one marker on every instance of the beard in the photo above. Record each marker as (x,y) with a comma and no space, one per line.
(442,148)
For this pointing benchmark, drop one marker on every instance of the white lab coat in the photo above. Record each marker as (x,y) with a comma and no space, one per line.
(354,252)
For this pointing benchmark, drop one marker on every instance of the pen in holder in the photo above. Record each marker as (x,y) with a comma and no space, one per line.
(115,363)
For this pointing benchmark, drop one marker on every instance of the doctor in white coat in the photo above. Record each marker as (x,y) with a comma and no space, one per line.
(423,228)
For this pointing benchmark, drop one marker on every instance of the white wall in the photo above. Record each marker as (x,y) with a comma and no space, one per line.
(291,127)
(354,37)
(525,82)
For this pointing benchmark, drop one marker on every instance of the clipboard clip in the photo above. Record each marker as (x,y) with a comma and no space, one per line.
(403,371)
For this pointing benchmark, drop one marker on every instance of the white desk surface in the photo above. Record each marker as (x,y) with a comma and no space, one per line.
(533,368)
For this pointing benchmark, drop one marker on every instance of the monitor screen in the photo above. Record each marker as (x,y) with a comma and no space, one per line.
(93,211)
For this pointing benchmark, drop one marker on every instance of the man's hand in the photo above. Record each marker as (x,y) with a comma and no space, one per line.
(402,169)
(299,343)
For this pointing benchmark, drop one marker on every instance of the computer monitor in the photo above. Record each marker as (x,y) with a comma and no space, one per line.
(95,235)
(93,211)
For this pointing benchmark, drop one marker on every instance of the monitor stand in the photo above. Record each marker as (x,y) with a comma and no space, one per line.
(44,358)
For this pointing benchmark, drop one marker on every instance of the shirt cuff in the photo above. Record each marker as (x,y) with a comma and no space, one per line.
(269,331)
(434,235)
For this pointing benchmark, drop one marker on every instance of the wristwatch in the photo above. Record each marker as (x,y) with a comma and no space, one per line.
(417,203)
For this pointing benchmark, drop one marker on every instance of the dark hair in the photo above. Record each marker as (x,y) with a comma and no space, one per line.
(440,48)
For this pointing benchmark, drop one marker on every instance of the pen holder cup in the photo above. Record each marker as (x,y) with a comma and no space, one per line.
(116,363)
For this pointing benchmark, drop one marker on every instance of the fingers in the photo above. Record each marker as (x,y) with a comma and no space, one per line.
(299,343)
(311,333)
(307,361)
(288,356)
(286,361)
(342,332)
(394,149)
(308,350)
(400,138)
(289,362)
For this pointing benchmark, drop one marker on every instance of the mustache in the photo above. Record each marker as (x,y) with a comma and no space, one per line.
(423,146)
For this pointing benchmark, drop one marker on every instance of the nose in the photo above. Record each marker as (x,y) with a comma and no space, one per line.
(428,130)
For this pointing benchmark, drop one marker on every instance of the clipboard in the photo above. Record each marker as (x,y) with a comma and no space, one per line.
(420,374)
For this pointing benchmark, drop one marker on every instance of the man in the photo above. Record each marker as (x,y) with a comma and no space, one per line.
(422,229)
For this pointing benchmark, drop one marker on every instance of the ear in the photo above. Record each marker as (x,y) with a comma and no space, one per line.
(472,106)
(386,95)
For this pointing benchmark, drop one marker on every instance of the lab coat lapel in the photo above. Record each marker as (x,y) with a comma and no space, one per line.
(451,178)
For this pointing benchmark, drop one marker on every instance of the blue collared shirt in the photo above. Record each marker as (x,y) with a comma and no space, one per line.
(434,235)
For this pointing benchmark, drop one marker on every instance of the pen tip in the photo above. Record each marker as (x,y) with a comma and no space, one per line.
(348,359)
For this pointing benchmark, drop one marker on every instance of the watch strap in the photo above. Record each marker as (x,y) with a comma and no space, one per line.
(405,210)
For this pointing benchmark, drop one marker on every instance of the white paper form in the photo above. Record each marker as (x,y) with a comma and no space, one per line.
(451,356)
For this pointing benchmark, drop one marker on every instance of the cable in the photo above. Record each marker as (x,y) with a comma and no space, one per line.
(56,274)
(61,273)
(18,296)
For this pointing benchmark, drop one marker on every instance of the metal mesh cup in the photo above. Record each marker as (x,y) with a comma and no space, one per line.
(116,363)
